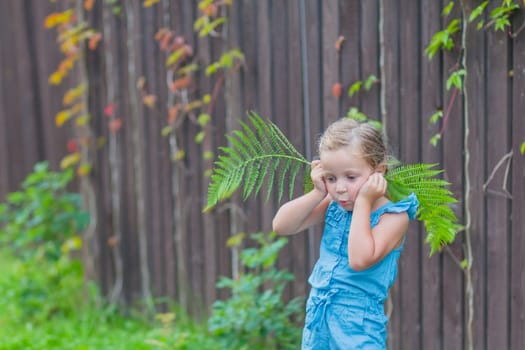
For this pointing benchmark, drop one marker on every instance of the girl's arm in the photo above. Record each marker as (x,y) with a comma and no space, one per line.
(304,211)
(367,246)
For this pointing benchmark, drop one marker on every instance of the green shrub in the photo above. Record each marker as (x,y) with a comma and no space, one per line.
(39,226)
(256,317)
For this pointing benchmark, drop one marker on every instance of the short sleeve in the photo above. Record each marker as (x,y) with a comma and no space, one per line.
(409,205)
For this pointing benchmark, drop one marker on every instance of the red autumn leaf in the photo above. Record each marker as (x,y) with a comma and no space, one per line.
(164,43)
(72,146)
(108,110)
(88,4)
(210,10)
(115,125)
(180,83)
(160,33)
(173,112)
(93,41)
(337,90)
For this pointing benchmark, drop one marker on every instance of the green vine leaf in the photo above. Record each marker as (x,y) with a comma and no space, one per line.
(456,79)
(448,8)
(478,11)
(354,88)
(260,153)
(370,81)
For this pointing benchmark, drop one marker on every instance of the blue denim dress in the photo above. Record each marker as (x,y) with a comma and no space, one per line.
(345,309)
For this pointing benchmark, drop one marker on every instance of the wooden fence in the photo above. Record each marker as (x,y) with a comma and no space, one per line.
(150,237)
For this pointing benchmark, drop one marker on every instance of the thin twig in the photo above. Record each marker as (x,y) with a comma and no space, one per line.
(454,257)
(515,34)
(505,158)
(449,110)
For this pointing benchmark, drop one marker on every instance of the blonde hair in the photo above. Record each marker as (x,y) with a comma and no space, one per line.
(367,139)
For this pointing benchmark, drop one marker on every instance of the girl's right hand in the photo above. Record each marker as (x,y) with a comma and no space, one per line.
(317,176)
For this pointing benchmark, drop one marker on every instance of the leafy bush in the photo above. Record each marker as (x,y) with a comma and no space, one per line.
(40,226)
(256,317)
(42,215)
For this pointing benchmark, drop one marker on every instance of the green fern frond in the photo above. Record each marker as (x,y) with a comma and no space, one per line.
(257,153)
(260,153)
(435,200)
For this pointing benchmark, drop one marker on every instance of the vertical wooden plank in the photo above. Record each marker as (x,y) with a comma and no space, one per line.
(131,68)
(475,173)
(431,101)
(517,239)
(177,179)
(369,45)
(164,17)
(206,85)
(390,14)
(496,223)
(349,57)
(330,61)
(281,94)
(50,97)
(5,187)
(314,60)
(452,141)
(151,145)
(410,273)
(298,243)
(101,265)
(391,32)
(264,95)
(195,232)
(314,100)
(28,99)
(17,97)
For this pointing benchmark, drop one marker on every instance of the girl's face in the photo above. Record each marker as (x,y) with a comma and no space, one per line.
(345,171)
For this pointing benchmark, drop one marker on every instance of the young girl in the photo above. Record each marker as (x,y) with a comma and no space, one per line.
(362,239)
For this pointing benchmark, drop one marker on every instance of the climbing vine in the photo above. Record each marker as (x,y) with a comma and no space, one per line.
(453,38)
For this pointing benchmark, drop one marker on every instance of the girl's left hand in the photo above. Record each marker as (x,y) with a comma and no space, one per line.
(373,188)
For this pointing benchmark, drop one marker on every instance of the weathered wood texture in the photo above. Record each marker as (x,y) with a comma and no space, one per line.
(149,207)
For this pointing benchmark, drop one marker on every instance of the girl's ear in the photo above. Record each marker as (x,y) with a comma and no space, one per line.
(381,168)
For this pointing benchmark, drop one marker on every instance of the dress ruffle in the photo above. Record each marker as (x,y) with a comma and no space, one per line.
(409,205)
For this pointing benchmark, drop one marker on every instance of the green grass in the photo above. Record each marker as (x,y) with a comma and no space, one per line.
(87,328)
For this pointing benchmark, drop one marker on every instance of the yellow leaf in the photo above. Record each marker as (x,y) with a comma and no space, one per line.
(70,160)
(82,120)
(166,130)
(73,243)
(83,170)
(236,240)
(192,105)
(149,3)
(78,107)
(72,94)
(149,100)
(62,117)
(57,18)
(55,78)
(179,155)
